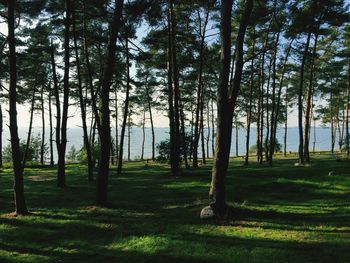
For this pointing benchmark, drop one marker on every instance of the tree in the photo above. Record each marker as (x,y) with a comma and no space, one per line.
(227,97)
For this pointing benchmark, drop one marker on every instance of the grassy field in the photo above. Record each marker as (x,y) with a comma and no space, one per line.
(283,214)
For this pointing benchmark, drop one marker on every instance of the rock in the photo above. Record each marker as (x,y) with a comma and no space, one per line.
(331,173)
(207,213)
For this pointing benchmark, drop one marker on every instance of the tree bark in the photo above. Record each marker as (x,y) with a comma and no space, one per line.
(126,109)
(105,131)
(20,203)
(226,103)
(199,88)
(51,133)
(87,145)
(347,136)
(300,101)
(309,104)
(42,148)
(1,130)
(61,173)
(175,159)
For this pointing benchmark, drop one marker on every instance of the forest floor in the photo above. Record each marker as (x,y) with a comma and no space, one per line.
(284,214)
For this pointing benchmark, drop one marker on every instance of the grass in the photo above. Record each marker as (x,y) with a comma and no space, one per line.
(283,214)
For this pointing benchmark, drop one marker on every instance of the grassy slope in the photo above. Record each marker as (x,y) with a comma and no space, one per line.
(284,214)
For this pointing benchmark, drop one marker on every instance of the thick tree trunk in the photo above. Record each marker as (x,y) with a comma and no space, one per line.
(226,103)
(20,203)
(87,145)
(309,104)
(300,100)
(126,109)
(105,131)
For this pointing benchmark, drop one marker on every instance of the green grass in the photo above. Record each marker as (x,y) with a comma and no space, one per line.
(282,214)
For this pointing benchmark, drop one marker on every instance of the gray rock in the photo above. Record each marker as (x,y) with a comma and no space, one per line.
(207,213)
(331,173)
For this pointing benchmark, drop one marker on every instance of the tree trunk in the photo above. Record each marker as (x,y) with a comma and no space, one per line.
(226,103)
(61,173)
(275,115)
(250,102)
(1,130)
(309,104)
(202,127)
(236,134)
(143,134)
(116,126)
(200,93)
(129,136)
(347,136)
(105,131)
(126,109)
(175,159)
(42,148)
(300,101)
(51,133)
(20,203)
(87,145)
(29,135)
(152,126)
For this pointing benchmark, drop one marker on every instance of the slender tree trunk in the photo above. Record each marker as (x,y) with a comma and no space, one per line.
(126,109)
(208,129)
(268,111)
(143,134)
(175,159)
(61,173)
(236,134)
(300,100)
(89,71)
(309,105)
(200,93)
(212,128)
(331,116)
(42,148)
(105,130)
(29,135)
(152,126)
(183,132)
(1,130)
(87,145)
(202,127)
(129,136)
(314,144)
(20,203)
(347,116)
(275,115)
(226,103)
(250,102)
(51,132)
(116,126)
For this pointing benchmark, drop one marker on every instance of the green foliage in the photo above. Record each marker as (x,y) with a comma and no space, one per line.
(34,150)
(163,149)
(278,147)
